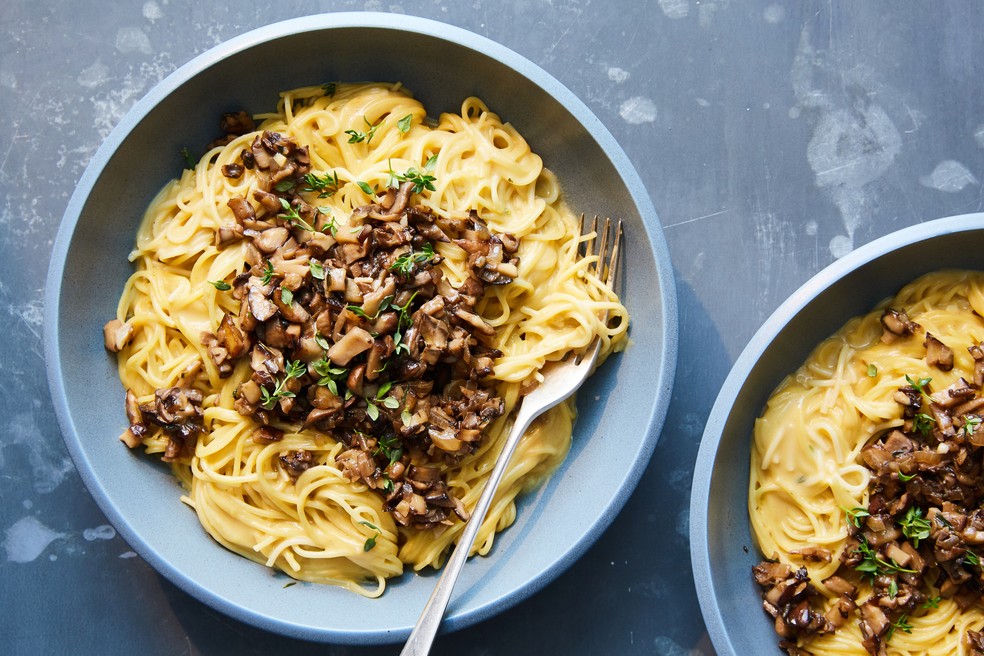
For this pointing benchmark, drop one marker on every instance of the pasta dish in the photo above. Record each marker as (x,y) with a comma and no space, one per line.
(866,486)
(334,312)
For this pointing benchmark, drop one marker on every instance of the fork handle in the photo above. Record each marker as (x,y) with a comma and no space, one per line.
(422,637)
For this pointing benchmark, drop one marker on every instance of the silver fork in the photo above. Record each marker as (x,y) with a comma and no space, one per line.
(560,379)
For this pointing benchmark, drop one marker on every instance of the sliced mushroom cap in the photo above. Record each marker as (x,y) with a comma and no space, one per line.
(116,335)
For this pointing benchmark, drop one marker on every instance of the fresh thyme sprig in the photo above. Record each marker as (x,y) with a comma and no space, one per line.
(358,137)
(901,624)
(294,369)
(326,185)
(404,264)
(914,525)
(291,216)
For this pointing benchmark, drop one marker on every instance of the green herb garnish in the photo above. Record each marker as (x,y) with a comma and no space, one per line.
(403,125)
(370,542)
(390,447)
(330,374)
(420,179)
(329,88)
(190,162)
(404,264)
(901,624)
(918,384)
(358,137)
(291,216)
(295,369)
(326,185)
(874,565)
(872,371)
(317,269)
(855,515)
(924,423)
(914,526)
(221,285)
(286,296)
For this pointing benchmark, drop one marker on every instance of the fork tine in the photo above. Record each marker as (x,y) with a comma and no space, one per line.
(613,259)
(599,266)
(590,229)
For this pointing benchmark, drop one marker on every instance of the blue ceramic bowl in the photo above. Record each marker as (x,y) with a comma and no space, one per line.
(722,549)
(621,409)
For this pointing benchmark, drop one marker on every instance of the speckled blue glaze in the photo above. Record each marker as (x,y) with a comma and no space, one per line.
(621,409)
(722,549)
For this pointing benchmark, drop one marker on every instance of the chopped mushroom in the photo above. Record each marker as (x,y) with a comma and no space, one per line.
(117,334)
(938,354)
(896,324)
(353,331)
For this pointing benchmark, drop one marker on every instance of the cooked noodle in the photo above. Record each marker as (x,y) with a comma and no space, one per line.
(317,528)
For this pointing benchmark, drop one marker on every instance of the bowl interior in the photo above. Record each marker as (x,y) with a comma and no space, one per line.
(722,548)
(620,418)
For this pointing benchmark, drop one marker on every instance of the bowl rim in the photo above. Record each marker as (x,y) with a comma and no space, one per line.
(661,384)
(762,339)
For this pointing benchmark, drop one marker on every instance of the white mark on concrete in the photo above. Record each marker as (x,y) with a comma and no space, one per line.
(48,463)
(133,39)
(794,112)
(128,554)
(27,539)
(638,109)
(8,80)
(104,532)
(151,11)
(774,14)
(853,147)
(669,647)
(810,228)
(701,102)
(950,176)
(28,504)
(699,260)
(841,245)
(617,75)
(854,141)
(979,135)
(93,76)
(675,8)
(683,524)
(707,9)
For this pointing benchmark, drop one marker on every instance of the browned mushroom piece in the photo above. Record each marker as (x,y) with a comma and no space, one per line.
(116,335)
(233,170)
(297,461)
(974,641)
(896,324)
(236,123)
(938,354)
